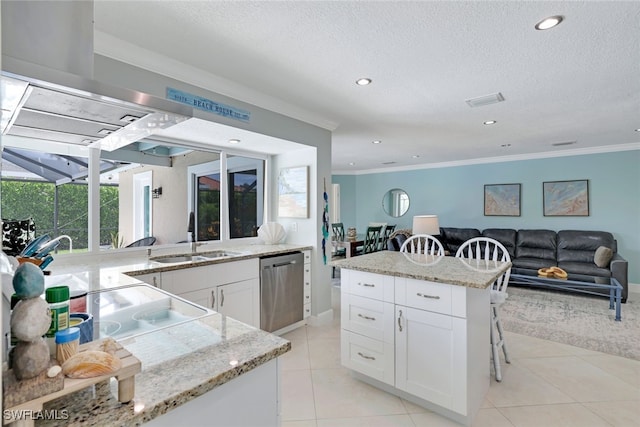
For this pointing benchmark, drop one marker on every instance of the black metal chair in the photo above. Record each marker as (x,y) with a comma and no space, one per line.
(385,238)
(371,241)
(145,241)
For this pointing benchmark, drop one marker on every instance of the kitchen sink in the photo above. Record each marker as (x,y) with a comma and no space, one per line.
(205,256)
(140,309)
(172,259)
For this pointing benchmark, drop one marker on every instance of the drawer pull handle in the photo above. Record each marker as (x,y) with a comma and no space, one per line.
(366,317)
(428,296)
(400,321)
(366,357)
(367,285)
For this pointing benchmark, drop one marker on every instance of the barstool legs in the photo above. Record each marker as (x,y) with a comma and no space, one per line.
(497,342)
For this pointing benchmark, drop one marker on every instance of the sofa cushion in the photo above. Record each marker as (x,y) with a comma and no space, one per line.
(581,245)
(453,238)
(506,236)
(584,268)
(603,256)
(537,244)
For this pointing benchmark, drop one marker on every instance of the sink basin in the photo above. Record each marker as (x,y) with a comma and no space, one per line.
(178,258)
(218,254)
(205,256)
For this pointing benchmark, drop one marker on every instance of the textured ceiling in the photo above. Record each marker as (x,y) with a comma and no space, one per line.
(577,82)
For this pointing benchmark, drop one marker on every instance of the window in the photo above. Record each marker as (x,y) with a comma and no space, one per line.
(237,195)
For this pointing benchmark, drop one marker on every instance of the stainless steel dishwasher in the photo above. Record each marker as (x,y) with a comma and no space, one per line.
(281,291)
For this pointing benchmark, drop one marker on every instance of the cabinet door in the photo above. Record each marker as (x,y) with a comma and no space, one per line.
(204,297)
(431,357)
(241,301)
(154,279)
(187,280)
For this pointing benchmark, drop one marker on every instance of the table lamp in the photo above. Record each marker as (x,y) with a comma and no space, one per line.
(426,224)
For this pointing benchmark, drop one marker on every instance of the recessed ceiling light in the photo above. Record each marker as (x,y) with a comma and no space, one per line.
(549,22)
(638,130)
(234,141)
(363,81)
(377,141)
(490,122)
(505,145)
(352,163)
(415,156)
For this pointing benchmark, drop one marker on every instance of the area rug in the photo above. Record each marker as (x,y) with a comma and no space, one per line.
(581,321)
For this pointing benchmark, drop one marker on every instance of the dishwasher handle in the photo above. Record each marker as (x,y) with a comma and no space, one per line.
(282,264)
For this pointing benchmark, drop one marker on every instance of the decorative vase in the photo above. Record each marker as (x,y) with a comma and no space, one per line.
(351,233)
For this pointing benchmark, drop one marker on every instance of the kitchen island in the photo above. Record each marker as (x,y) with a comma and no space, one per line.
(417,326)
(206,370)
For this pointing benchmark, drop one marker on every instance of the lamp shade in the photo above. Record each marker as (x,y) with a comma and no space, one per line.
(426,224)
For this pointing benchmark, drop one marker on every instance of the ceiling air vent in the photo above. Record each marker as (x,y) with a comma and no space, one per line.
(481,101)
(560,144)
(388,163)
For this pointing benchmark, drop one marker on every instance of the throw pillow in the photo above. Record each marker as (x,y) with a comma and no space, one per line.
(602,256)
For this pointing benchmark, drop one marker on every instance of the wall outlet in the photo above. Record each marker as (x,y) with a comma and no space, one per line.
(293,226)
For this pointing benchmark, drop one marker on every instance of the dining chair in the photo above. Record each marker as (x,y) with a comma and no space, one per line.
(384,236)
(423,244)
(371,240)
(337,235)
(488,249)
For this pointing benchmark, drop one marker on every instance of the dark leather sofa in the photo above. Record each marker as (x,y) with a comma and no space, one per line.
(530,250)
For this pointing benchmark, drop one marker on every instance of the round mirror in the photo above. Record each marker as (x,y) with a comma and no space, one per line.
(395,202)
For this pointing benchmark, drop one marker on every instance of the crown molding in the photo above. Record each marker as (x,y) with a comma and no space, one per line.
(500,159)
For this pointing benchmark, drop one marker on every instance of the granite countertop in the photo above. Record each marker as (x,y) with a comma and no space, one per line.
(179,363)
(456,271)
(111,270)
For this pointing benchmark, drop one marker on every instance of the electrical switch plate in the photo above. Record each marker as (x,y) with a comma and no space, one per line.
(294,226)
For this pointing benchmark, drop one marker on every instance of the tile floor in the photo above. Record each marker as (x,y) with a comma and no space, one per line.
(547,384)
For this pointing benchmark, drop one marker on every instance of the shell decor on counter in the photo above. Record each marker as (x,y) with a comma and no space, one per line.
(271,233)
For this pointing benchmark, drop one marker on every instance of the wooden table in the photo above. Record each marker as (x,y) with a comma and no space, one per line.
(349,245)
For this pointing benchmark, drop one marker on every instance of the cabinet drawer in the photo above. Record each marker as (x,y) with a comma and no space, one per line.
(424,295)
(367,317)
(370,357)
(369,285)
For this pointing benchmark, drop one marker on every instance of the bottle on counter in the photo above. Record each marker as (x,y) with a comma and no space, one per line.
(58,299)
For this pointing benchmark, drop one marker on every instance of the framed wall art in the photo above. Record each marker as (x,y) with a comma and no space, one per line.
(566,198)
(293,192)
(502,200)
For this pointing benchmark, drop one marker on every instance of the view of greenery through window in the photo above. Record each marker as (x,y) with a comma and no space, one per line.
(24,199)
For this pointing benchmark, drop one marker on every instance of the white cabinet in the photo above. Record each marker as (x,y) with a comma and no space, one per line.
(427,341)
(307,284)
(154,279)
(231,288)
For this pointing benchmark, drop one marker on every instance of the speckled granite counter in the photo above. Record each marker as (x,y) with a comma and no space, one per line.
(179,363)
(451,270)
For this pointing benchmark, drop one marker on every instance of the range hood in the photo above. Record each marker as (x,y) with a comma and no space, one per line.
(48,91)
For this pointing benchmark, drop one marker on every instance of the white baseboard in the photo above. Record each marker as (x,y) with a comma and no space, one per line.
(324,318)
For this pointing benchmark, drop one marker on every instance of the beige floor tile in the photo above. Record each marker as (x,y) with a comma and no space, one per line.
(618,414)
(297,395)
(305,423)
(626,370)
(381,421)
(324,353)
(579,379)
(338,395)
(431,419)
(297,336)
(487,403)
(525,346)
(561,415)
(326,331)
(297,358)
(412,408)
(491,417)
(520,386)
